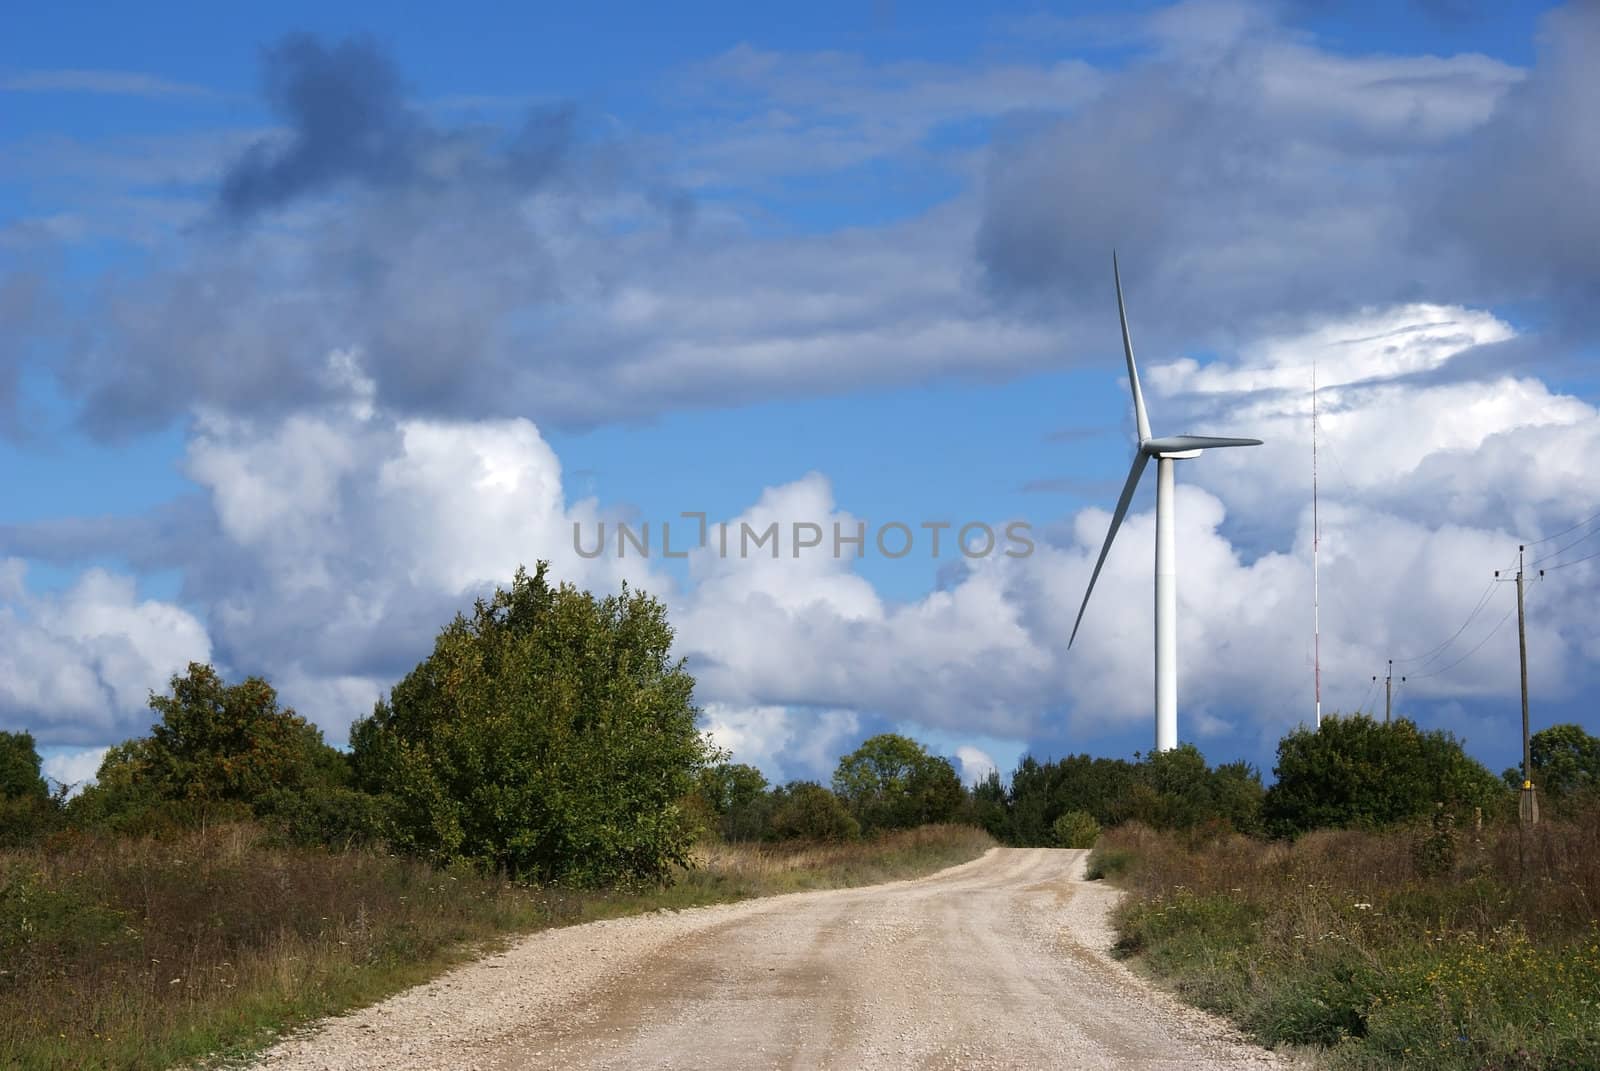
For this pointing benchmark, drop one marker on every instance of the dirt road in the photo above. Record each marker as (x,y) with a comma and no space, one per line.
(998,963)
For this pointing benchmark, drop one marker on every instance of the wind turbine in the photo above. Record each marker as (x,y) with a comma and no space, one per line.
(1165,450)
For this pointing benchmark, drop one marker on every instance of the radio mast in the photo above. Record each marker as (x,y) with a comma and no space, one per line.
(1316,557)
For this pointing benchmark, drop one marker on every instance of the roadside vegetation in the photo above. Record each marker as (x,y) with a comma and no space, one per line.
(1402,917)
(149,951)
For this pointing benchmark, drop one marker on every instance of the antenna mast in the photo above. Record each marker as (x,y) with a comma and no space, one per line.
(1316,556)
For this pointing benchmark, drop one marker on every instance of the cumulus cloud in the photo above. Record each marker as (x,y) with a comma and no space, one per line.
(340,538)
(1399,431)
(78,666)
(976,764)
(74,768)
(785,743)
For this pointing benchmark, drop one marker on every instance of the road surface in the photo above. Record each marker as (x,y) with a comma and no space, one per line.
(997,963)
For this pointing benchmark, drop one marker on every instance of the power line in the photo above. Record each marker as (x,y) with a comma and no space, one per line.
(1430,655)
(1564,531)
(1362,706)
(1574,561)
(1564,547)
(1469,654)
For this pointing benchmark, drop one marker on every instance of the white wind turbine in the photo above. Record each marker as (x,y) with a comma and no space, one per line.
(1165,450)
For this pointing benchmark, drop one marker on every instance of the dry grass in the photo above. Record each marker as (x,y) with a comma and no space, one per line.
(828,866)
(1433,947)
(144,953)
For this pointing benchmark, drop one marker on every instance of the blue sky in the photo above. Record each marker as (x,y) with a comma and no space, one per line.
(260,273)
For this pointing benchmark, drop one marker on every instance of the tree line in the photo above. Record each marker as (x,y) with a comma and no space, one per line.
(550,735)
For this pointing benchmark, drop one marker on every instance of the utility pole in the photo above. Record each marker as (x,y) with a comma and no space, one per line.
(1528,804)
(1388,691)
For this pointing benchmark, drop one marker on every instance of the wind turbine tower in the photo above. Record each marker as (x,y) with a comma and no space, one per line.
(1167,451)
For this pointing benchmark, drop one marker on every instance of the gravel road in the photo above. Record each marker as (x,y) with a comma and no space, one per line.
(997,963)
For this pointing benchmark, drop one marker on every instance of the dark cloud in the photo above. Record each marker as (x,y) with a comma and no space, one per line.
(29,307)
(21,295)
(348,120)
(349,125)
(547,269)
(1257,180)
(429,252)
(1518,198)
(164,538)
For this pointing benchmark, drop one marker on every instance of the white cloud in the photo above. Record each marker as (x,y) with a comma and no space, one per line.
(976,764)
(74,768)
(115,83)
(78,666)
(347,537)
(783,743)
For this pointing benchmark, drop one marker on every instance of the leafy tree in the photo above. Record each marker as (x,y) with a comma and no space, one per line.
(804,810)
(218,750)
(1566,762)
(550,735)
(738,799)
(891,782)
(1357,772)
(27,809)
(1237,795)
(218,742)
(19,768)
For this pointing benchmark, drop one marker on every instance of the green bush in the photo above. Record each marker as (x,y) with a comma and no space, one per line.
(1105,862)
(1354,772)
(330,815)
(804,810)
(1172,789)
(1566,766)
(550,736)
(219,752)
(1075,829)
(19,768)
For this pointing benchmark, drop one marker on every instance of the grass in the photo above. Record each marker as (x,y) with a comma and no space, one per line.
(1430,948)
(146,953)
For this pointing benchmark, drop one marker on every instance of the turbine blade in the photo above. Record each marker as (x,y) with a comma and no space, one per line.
(1139,414)
(1177,444)
(1116,522)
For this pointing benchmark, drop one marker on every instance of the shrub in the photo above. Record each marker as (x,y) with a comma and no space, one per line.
(804,810)
(219,752)
(1075,829)
(1166,790)
(1357,772)
(331,815)
(550,736)
(1106,862)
